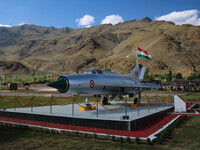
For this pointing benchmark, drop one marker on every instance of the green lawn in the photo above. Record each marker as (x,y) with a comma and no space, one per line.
(38,92)
(188,137)
(192,96)
(39,101)
(13,138)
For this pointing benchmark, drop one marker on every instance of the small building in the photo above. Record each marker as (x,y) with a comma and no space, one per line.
(12,86)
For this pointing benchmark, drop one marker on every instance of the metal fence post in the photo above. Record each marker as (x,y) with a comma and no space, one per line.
(97,106)
(126,113)
(34,100)
(51,105)
(139,98)
(148,104)
(15,103)
(163,100)
(73,106)
(156,102)
(32,104)
(167,101)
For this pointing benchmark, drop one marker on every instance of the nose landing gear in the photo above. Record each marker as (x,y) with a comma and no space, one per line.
(105,101)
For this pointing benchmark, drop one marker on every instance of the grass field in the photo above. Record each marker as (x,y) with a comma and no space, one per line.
(38,92)
(12,138)
(188,137)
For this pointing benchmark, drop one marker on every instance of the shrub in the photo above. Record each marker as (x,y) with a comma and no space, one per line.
(95,136)
(159,140)
(113,138)
(167,132)
(69,133)
(121,139)
(148,141)
(128,140)
(86,135)
(137,140)
(77,133)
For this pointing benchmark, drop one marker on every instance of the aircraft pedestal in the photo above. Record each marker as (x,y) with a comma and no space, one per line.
(105,119)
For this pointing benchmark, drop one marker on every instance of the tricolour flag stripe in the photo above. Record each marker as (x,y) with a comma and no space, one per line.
(144,54)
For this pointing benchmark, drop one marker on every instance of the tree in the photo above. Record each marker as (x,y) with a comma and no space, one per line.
(169,76)
(194,76)
(146,74)
(178,76)
(151,78)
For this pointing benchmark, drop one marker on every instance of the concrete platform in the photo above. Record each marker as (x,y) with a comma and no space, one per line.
(103,118)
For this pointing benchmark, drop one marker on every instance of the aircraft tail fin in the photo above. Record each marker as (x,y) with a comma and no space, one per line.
(137,73)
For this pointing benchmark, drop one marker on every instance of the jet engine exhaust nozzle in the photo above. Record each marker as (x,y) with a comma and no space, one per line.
(62,84)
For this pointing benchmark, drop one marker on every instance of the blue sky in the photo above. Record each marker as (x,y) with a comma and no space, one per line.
(70,13)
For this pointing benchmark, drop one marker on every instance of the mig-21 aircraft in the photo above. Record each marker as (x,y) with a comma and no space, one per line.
(103,83)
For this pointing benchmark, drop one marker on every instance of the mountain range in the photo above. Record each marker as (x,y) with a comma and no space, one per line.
(109,47)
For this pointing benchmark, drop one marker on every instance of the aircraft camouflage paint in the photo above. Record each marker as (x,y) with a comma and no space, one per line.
(103,83)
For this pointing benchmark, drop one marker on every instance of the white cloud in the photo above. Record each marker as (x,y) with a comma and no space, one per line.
(88,26)
(113,19)
(182,17)
(86,20)
(21,23)
(3,25)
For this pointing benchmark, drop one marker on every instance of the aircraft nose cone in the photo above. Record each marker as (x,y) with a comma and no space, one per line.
(61,84)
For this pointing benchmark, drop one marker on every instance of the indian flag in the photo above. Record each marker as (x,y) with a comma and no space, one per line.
(143,53)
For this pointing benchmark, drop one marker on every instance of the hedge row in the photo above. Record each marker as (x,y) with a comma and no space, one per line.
(137,140)
(168,131)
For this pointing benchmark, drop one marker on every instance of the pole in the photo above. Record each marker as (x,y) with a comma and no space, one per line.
(136,56)
(97,106)
(167,100)
(34,100)
(156,101)
(0,82)
(32,104)
(139,98)
(148,104)
(51,105)
(73,106)
(163,101)
(15,103)
(126,107)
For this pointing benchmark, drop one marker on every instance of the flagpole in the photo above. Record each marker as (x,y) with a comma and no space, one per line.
(136,55)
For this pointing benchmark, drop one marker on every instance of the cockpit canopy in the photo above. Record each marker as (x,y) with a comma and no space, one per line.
(94,71)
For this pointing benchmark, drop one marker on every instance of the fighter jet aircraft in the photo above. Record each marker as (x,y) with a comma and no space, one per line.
(104,83)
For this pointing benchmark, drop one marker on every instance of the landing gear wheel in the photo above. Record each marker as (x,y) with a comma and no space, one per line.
(105,101)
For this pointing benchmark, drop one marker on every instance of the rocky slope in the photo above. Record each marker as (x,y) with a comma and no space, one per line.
(65,50)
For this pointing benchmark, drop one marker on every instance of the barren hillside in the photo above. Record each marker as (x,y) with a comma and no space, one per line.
(65,50)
